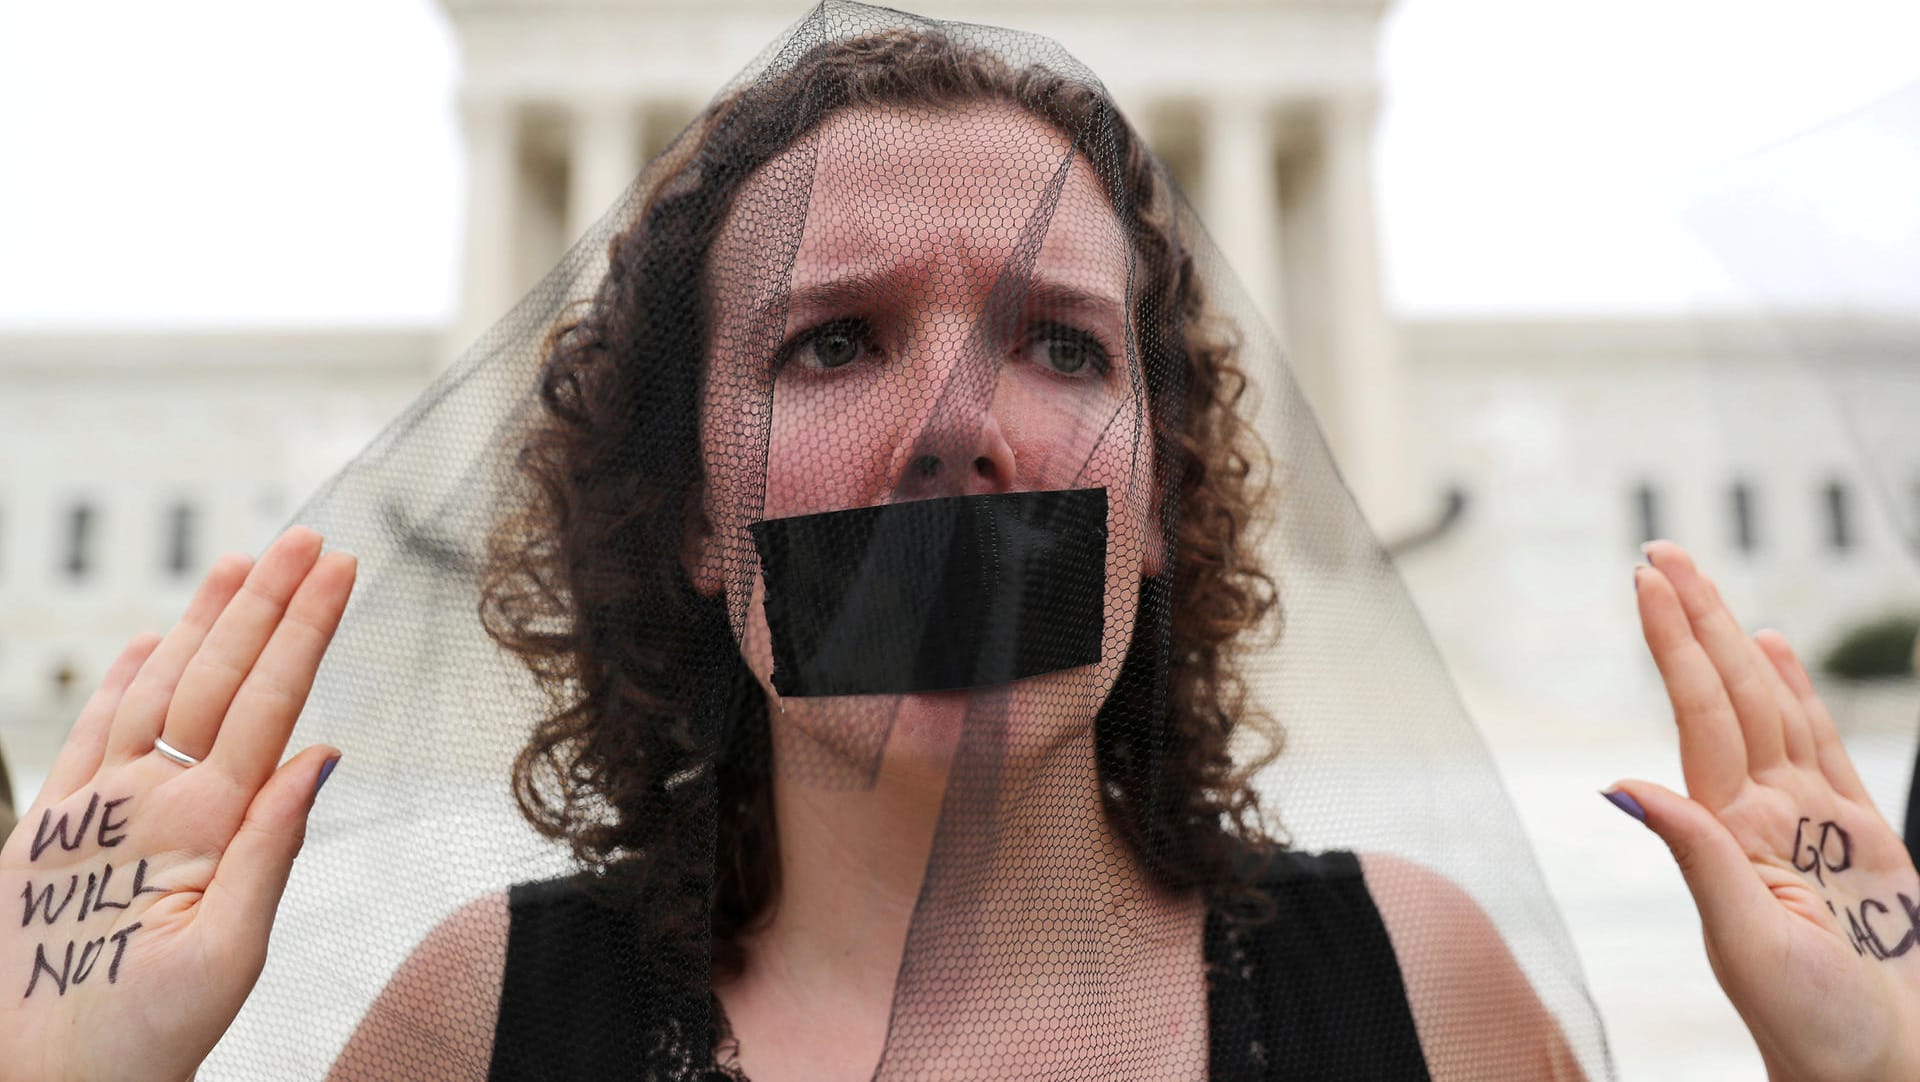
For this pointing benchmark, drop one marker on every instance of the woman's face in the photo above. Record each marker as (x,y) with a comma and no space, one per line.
(911,304)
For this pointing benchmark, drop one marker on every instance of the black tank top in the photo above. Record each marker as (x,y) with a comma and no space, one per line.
(1314,992)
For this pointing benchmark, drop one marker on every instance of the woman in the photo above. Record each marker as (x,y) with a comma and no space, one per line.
(898,278)
(1104,373)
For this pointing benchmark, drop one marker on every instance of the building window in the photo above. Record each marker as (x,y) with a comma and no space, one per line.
(1745,536)
(82,523)
(1839,516)
(1646,503)
(180,523)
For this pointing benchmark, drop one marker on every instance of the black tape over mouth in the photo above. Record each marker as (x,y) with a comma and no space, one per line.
(935,595)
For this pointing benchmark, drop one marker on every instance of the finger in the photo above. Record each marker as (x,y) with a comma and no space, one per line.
(1732,900)
(1828,749)
(207,687)
(137,718)
(1738,660)
(79,758)
(269,701)
(1794,728)
(252,873)
(1713,753)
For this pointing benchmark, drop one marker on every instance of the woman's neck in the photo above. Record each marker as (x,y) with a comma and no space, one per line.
(940,851)
(852,861)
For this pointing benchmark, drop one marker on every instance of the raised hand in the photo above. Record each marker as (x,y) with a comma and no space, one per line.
(1808,900)
(140,889)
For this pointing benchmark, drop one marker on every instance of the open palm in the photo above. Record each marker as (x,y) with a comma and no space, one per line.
(1808,900)
(147,886)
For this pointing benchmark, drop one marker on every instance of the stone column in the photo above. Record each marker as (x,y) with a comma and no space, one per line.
(1368,373)
(604,156)
(1240,190)
(493,164)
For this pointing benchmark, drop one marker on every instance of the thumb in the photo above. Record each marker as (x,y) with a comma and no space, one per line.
(1718,872)
(253,871)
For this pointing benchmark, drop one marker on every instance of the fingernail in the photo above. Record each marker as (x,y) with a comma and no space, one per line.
(326,771)
(1625,803)
(1637,568)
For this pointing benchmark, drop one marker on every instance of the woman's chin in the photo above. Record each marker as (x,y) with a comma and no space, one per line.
(918,735)
(927,727)
(1011,723)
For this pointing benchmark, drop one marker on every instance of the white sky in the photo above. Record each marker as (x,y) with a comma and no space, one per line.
(234,161)
(1537,154)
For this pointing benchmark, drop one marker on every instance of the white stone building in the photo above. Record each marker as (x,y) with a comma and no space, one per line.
(128,462)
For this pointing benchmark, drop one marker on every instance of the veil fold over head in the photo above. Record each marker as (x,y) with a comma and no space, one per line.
(885,458)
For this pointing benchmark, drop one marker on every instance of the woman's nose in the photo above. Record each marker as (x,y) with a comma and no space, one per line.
(958,463)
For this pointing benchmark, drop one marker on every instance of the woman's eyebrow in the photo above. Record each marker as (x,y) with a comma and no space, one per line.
(1052,296)
(1019,299)
(863,287)
(832,293)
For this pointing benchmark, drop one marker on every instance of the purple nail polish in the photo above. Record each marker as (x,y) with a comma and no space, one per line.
(1626,804)
(326,771)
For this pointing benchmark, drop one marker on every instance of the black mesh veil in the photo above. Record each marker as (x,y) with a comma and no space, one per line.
(892,497)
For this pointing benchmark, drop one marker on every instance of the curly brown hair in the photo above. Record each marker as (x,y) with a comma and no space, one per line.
(585,581)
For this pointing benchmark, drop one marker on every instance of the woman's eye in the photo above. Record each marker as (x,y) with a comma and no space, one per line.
(831,345)
(1067,351)
(831,349)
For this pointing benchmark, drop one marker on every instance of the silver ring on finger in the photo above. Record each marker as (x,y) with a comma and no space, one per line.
(160,745)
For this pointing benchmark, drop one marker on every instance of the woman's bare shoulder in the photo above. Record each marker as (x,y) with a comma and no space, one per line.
(1477,1013)
(434,1020)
